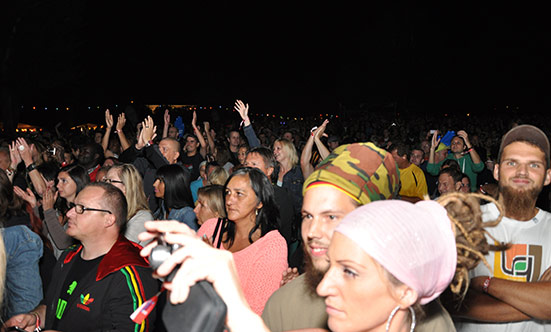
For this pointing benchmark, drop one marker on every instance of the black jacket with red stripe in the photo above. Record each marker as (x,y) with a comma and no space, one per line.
(104,298)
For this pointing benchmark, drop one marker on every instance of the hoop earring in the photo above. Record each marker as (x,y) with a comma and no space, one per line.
(394,311)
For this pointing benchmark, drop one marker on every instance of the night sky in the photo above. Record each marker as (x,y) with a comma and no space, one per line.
(282,58)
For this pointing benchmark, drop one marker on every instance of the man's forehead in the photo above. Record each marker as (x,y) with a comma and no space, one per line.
(524,150)
(89,194)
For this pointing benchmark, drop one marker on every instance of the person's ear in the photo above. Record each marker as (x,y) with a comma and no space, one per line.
(458,186)
(547,179)
(110,220)
(269,171)
(407,296)
(496,172)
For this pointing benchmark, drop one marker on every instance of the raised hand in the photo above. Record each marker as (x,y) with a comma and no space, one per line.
(25,151)
(108,119)
(320,131)
(121,121)
(194,120)
(149,129)
(27,196)
(167,117)
(15,157)
(463,134)
(435,140)
(49,198)
(242,109)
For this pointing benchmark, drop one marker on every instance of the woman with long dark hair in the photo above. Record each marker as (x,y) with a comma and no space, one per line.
(250,233)
(176,202)
(70,181)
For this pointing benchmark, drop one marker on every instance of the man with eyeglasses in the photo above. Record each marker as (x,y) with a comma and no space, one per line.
(98,284)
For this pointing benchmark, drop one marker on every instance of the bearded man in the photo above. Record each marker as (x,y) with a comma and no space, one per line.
(514,296)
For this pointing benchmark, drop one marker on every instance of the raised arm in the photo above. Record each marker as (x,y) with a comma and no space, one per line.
(474,155)
(318,134)
(243,110)
(60,239)
(26,153)
(433,146)
(121,121)
(306,167)
(15,160)
(108,128)
(167,123)
(197,131)
(210,140)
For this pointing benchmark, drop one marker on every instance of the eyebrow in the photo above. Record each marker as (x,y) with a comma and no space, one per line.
(325,211)
(529,161)
(351,262)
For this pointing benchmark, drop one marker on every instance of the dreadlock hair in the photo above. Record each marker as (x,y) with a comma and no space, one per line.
(470,236)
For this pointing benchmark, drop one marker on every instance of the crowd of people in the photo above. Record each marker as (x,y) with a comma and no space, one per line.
(375,222)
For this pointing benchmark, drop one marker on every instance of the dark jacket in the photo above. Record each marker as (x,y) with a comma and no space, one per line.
(104,298)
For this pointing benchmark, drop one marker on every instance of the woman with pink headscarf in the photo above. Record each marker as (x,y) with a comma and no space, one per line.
(387,259)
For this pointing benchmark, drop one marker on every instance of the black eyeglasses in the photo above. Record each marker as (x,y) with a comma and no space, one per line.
(80,209)
(112,181)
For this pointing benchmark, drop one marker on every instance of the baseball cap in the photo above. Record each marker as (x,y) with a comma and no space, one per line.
(526,133)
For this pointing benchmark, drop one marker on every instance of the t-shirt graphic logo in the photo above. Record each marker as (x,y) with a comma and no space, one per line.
(86,299)
(84,302)
(521,262)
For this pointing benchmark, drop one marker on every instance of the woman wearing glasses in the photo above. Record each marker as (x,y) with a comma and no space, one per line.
(127,178)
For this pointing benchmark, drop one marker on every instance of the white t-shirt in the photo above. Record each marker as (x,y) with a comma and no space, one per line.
(525,261)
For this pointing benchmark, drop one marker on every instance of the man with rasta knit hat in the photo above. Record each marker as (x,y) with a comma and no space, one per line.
(351,176)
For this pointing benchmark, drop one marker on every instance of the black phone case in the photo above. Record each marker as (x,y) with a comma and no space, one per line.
(203,311)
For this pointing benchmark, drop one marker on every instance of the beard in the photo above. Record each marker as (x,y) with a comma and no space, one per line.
(312,275)
(519,204)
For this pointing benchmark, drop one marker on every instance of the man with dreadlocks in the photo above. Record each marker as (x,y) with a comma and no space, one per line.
(514,294)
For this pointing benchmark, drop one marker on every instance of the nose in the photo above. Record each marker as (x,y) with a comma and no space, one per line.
(325,287)
(196,210)
(313,228)
(522,169)
(71,213)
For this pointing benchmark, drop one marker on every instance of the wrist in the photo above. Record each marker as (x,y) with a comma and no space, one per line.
(486,285)
(31,167)
(36,318)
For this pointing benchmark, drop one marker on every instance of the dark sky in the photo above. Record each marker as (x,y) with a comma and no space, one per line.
(279,57)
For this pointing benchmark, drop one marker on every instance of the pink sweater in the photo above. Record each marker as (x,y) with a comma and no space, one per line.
(259,266)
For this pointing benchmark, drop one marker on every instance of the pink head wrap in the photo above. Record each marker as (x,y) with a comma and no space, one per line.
(414,242)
